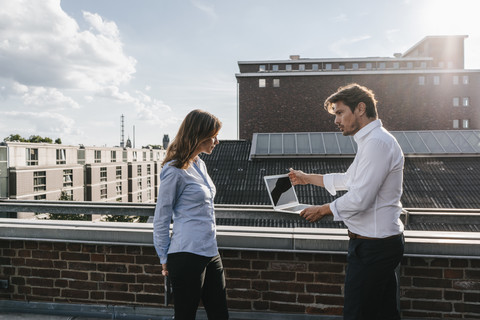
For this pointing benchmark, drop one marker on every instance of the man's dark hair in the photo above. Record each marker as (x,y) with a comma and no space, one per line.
(351,95)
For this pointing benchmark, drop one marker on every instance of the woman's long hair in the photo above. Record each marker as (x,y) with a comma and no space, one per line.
(197,127)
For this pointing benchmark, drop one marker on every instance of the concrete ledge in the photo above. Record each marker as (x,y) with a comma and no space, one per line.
(334,240)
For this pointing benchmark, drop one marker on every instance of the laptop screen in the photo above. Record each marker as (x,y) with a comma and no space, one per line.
(281,190)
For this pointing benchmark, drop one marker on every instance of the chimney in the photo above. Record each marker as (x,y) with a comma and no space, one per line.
(295,57)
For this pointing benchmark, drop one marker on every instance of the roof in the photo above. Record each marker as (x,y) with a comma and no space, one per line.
(433,182)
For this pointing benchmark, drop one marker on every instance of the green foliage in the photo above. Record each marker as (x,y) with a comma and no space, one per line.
(64,196)
(115,218)
(33,138)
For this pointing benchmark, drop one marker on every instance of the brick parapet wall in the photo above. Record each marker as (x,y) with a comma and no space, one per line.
(304,283)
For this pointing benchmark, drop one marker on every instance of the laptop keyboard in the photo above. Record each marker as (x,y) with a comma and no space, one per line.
(297,207)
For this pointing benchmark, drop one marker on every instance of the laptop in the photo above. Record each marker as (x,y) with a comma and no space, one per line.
(282,194)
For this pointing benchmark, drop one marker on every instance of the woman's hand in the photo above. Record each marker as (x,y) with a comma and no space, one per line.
(297,177)
(164,269)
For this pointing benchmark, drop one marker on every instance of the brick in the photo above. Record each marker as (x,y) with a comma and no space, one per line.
(260,285)
(97,257)
(120,258)
(423,272)
(418,262)
(432,283)
(260,305)
(265,255)
(78,294)
(239,283)
(40,282)
(46,273)
(119,296)
(97,296)
(279,297)
(467,308)
(104,267)
(38,263)
(466,285)
(10,253)
(278,275)
(61,283)
(451,295)
(287,287)
(472,274)
(81,266)
(422,294)
(153,260)
(46,292)
(324,289)
(58,264)
(240,304)
(288,266)
(453,273)
(329,278)
(50,255)
(136,251)
(329,300)
(74,275)
(260,265)
(286,256)
(251,255)
(148,278)
(236,264)
(110,286)
(432,305)
(243,294)
(242,274)
(75,256)
(305,277)
(149,298)
(74,247)
(128,278)
(472,297)
(135,269)
(24,253)
(83,285)
(326,267)
(459,263)
(45,246)
(305,299)
(440,263)
(285,307)
(329,310)
(156,269)
(229,254)
(323,258)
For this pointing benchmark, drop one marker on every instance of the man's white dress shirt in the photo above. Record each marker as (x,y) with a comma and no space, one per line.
(371,207)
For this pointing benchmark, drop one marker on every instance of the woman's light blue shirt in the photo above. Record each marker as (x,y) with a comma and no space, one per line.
(186,197)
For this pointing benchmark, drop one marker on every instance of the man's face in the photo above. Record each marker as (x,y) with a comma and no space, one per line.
(346,120)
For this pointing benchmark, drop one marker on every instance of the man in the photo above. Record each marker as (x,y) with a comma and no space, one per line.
(370,208)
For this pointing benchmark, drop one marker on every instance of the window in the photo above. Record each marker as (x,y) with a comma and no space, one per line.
(139,184)
(410,65)
(118,188)
(301,67)
(149,195)
(455,124)
(32,156)
(103,191)
(261,68)
(149,182)
(465,80)
(262,83)
(396,65)
(450,64)
(149,169)
(369,65)
(139,170)
(276,83)
(423,65)
(455,80)
(98,156)
(315,67)
(103,174)
(465,124)
(67,178)
(355,66)
(61,156)
(421,80)
(341,67)
(465,101)
(40,197)
(275,67)
(288,67)
(39,181)
(113,156)
(118,172)
(68,194)
(456,101)
(441,64)
(382,65)
(144,156)
(436,80)
(328,66)
(134,155)
(139,197)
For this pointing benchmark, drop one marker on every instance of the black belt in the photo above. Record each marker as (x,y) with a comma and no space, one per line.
(352,235)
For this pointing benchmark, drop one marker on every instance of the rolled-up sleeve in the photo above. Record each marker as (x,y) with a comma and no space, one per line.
(170,188)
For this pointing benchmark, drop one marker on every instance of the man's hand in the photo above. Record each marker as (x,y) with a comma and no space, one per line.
(297,177)
(315,213)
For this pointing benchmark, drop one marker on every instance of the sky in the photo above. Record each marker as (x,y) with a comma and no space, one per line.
(70,68)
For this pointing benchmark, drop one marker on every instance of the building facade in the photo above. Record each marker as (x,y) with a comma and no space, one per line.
(43,171)
(425,88)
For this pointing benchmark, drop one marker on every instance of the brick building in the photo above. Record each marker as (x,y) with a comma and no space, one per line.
(425,88)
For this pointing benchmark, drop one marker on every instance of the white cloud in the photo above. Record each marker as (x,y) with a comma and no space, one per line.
(39,123)
(50,50)
(339,46)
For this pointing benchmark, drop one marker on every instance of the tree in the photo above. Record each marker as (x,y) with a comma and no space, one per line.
(14,137)
(64,196)
(58,141)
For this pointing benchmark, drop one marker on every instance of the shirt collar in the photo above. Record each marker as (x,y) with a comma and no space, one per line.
(367,129)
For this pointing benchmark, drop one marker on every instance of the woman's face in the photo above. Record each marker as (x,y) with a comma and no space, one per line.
(208,145)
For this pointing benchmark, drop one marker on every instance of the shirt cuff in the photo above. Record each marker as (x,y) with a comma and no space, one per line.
(328,183)
(333,208)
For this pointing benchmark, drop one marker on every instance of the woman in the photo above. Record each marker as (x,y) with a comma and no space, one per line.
(190,257)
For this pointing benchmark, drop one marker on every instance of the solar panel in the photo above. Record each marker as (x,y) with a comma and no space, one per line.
(325,144)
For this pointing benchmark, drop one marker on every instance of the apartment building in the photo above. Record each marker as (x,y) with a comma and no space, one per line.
(425,88)
(42,171)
